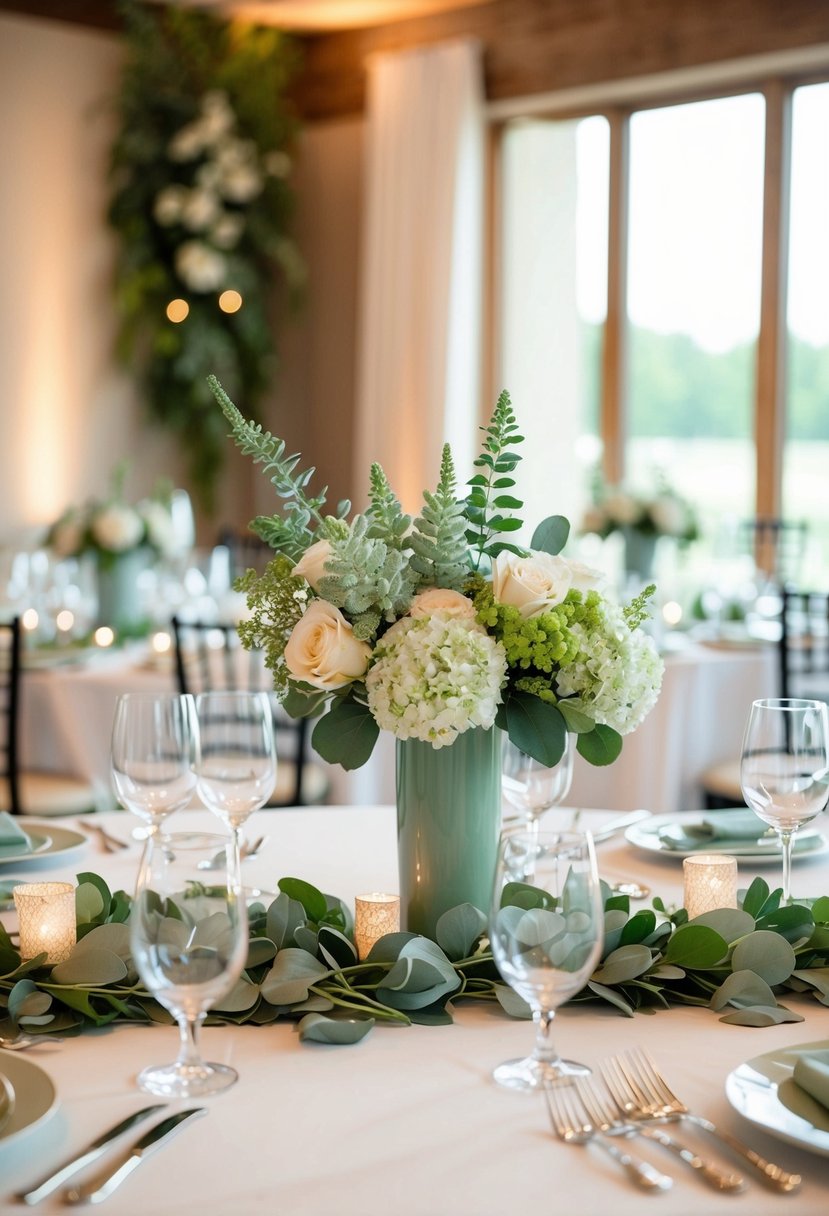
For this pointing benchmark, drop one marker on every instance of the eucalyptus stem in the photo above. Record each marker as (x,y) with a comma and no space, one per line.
(383,1011)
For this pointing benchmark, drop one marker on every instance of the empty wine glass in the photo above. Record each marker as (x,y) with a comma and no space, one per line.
(784,769)
(189,944)
(154,742)
(236,758)
(546,928)
(532,787)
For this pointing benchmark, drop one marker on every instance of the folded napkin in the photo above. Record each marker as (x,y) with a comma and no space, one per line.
(727,825)
(12,837)
(811,1072)
(723,828)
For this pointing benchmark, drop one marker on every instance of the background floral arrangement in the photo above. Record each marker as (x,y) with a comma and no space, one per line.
(200,202)
(111,527)
(430,627)
(663,513)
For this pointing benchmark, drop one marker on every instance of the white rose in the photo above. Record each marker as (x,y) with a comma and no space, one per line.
(201,268)
(322,649)
(532,584)
(585,578)
(622,508)
(441,601)
(311,566)
(669,515)
(117,528)
(159,524)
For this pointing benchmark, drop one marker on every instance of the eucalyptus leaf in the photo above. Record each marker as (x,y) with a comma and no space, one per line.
(89,879)
(639,927)
(260,950)
(26,998)
(336,948)
(312,900)
(534,726)
(458,930)
(306,939)
(767,954)
(695,946)
(792,921)
(815,977)
(92,968)
(730,923)
(242,996)
(755,897)
(89,903)
(551,534)
(346,735)
(293,973)
(759,1015)
(114,937)
(614,998)
(314,1028)
(743,989)
(600,746)
(625,963)
(577,722)
(284,917)
(511,1002)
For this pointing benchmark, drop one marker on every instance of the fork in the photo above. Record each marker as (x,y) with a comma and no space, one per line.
(640,1074)
(606,1111)
(111,843)
(571,1124)
(22,1042)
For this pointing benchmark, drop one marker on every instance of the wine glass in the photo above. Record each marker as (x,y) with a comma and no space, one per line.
(189,945)
(784,768)
(236,757)
(154,744)
(532,787)
(548,941)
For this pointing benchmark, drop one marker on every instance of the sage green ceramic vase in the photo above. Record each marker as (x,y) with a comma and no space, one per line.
(448,823)
(640,552)
(120,603)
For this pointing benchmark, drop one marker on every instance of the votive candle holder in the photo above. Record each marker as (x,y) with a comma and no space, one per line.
(375,915)
(710,883)
(46,912)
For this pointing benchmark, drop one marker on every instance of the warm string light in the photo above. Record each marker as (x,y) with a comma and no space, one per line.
(178,310)
(375,915)
(710,883)
(161,642)
(230,301)
(104,636)
(46,911)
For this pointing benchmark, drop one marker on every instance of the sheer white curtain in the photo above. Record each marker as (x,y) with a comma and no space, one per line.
(418,379)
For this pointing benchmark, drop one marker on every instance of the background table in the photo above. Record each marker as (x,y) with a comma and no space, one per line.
(407,1121)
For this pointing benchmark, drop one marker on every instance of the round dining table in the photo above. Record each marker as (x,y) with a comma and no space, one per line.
(407,1121)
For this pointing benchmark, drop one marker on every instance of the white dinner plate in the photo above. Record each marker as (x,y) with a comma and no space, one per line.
(35,1096)
(653,835)
(60,840)
(39,843)
(763,1091)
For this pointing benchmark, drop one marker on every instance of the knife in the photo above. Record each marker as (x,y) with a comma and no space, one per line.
(104,1183)
(95,1149)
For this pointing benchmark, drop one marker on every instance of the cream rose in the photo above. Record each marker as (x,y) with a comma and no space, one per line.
(531,584)
(322,649)
(118,528)
(585,578)
(311,566)
(441,600)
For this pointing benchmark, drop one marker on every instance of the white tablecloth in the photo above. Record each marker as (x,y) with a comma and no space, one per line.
(698,721)
(408,1121)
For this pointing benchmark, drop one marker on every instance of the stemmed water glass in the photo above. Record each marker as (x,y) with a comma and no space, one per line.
(189,944)
(236,759)
(532,787)
(784,769)
(154,744)
(546,929)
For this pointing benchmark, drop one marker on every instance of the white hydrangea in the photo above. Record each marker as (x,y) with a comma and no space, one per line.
(227,230)
(201,208)
(169,204)
(435,677)
(617,675)
(117,528)
(199,267)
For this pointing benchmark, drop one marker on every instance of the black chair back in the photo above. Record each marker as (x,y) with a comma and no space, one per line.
(210,658)
(777,546)
(804,644)
(247,551)
(10,640)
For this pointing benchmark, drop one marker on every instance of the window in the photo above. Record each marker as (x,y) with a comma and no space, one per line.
(680,207)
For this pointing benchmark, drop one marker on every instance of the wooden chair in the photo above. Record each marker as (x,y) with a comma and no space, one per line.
(210,657)
(777,546)
(26,792)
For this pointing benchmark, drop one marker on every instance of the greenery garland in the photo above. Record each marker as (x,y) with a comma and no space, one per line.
(200,200)
(302,964)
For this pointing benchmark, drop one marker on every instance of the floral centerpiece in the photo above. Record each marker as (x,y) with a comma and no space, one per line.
(123,539)
(642,519)
(200,202)
(439,629)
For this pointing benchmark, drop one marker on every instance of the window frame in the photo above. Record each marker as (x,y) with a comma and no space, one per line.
(777,88)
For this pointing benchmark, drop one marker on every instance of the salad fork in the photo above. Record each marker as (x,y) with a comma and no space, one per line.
(647,1095)
(572,1125)
(608,1115)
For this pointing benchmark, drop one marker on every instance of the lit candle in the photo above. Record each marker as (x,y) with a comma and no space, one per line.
(375,915)
(710,882)
(47,919)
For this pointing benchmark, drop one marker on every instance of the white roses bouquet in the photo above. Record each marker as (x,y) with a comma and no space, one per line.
(431,627)
(111,528)
(664,513)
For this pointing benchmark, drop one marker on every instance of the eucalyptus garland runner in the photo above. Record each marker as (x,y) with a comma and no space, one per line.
(302,964)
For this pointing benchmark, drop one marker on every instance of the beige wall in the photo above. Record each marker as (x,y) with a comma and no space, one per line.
(68,413)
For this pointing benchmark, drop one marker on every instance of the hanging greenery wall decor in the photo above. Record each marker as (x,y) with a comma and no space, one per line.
(200,200)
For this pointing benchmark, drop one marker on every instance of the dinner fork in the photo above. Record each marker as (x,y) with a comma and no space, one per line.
(645,1090)
(571,1124)
(22,1042)
(608,1115)
(111,843)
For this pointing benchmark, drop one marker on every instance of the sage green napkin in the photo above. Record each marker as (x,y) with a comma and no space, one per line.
(811,1072)
(737,827)
(12,837)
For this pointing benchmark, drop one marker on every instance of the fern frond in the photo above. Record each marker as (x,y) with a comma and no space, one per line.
(485,502)
(438,539)
(386,519)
